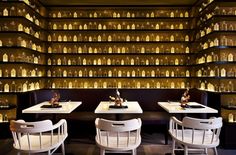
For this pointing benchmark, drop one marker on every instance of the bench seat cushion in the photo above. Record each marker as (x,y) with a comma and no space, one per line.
(150,117)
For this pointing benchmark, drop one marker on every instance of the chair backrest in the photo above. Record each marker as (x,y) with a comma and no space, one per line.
(117,129)
(30,127)
(21,129)
(204,124)
(197,131)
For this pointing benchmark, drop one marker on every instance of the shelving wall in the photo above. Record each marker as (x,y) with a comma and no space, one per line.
(215,56)
(22,52)
(153,47)
(118,47)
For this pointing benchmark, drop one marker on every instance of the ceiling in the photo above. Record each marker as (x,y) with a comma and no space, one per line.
(118,2)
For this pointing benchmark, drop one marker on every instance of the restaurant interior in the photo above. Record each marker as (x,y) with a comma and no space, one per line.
(140,77)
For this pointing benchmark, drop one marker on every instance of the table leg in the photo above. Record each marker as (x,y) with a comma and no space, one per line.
(118,117)
(54,118)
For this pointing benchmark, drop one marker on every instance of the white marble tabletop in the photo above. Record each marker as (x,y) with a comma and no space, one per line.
(174,107)
(133,107)
(67,107)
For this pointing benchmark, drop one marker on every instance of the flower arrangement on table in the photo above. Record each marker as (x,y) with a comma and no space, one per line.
(185,98)
(54,101)
(117,99)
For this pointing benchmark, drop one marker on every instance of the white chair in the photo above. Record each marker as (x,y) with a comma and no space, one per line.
(41,136)
(118,136)
(195,134)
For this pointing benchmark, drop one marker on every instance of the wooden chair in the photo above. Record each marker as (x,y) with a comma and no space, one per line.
(118,136)
(36,137)
(195,134)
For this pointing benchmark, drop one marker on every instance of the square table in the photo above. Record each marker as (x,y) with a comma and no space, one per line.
(175,108)
(133,108)
(66,108)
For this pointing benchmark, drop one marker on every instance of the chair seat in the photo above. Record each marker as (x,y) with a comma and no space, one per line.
(198,138)
(150,117)
(35,144)
(113,144)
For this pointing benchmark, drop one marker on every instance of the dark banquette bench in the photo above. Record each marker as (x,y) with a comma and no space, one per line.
(84,116)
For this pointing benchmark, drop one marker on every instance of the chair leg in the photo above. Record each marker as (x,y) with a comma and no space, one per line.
(205,151)
(166,137)
(173,147)
(134,152)
(215,149)
(102,152)
(63,148)
(185,150)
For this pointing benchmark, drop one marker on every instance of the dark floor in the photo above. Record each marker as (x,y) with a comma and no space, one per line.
(152,144)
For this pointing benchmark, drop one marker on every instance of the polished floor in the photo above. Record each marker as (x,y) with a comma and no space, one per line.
(152,144)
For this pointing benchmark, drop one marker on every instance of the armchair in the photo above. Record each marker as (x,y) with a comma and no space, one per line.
(195,134)
(36,137)
(118,136)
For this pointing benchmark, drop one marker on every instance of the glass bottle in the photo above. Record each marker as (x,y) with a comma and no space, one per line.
(13,72)
(13,86)
(6,87)
(230,117)
(230,57)
(5,12)
(1,87)
(230,86)
(223,72)
(172,50)
(172,38)
(5,57)
(186,38)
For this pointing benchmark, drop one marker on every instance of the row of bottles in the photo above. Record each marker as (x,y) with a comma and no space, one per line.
(119,26)
(204,4)
(119,37)
(20,42)
(22,86)
(33,4)
(22,57)
(228,100)
(216,87)
(222,26)
(223,41)
(158,12)
(213,57)
(97,48)
(225,10)
(119,61)
(217,11)
(209,72)
(117,73)
(36,6)
(216,71)
(12,26)
(3,118)
(118,84)
(14,11)
(21,72)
